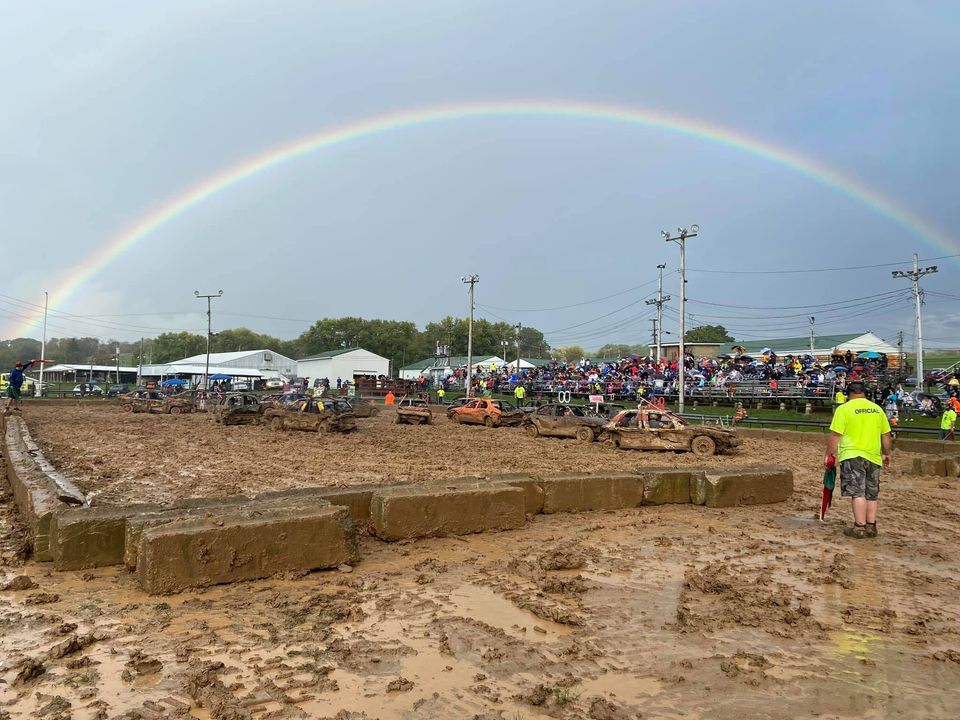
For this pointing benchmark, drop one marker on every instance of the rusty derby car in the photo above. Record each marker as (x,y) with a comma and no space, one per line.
(413,411)
(316,414)
(653,429)
(492,413)
(237,409)
(562,420)
(154,401)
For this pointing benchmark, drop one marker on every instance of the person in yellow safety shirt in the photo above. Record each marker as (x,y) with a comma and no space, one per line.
(441,393)
(839,398)
(861,442)
(520,393)
(947,422)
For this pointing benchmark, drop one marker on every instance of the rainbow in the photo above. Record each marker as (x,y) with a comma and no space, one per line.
(174,208)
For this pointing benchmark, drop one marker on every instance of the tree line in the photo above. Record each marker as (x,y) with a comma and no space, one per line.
(400,341)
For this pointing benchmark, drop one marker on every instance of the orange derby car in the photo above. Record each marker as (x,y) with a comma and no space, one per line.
(492,413)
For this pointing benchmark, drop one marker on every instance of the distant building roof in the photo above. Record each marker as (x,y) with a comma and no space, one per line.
(823,344)
(329,354)
(453,361)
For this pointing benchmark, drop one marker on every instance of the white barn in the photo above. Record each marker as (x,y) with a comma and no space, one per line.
(344,364)
(251,364)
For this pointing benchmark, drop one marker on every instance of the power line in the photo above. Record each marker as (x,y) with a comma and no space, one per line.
(580,304)
(800,307)
(814,270)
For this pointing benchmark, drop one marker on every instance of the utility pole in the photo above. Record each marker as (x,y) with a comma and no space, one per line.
(43,345)
(519,327)
(659,302)
(655,336)
(914,276)
(681,240)
(206,374)
(900,354)
(813,325)
(471,281)
(118,364)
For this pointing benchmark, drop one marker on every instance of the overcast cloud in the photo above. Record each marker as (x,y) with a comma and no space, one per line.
(110,109)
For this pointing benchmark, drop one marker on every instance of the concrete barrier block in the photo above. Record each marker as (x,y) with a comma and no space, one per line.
(91,537)
(577,492)
(916,467)
(426,511)
(663,486)
(935,466)
(235,547)
(532,487)
(928,447)
(356,499)
(748,486)
(952,466)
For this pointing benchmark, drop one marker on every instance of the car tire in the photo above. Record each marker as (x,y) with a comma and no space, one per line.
(276,424)
(703,446)
(174,411)
(585,434)
(532,430)
(489,421)
(398,420)
(611,443)
(374,412)
(126,407)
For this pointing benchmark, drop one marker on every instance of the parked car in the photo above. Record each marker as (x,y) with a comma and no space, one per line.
(115,390)
(317,414)
(492,413)
(562,420)
(240,386)
(154,401)
(274,383)
(237,409)
(90,389)
(655,429)
(414,411)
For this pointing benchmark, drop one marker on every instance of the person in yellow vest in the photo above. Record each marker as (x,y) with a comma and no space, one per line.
(947,422)
(519,394)
(861,443)
(441,393)
(839,399)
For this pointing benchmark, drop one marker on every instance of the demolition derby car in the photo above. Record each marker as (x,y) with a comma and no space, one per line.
(414,411)
(562,420)
(237,409)
(492,413)
(649,428)
(316,414)
(154,401)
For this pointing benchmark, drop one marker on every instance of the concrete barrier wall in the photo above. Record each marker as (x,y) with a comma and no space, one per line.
(37,494)
(205,541)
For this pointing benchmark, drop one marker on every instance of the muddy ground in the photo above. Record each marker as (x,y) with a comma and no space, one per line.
(118,457)
(666,612)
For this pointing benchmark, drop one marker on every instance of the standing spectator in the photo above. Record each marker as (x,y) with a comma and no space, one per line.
(441,393)
(15,383)
(861,443)
(947,423)
(519,394)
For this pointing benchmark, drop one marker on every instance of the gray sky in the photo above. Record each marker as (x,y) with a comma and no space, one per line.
(113,108)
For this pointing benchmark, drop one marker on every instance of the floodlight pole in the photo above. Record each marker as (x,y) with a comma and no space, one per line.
(206,374)
(914,276)
(813,325)
(659,302)
(519,327)
(471,281)
(681,240)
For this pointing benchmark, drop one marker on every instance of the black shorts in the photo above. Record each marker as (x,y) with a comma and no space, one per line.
(859,478)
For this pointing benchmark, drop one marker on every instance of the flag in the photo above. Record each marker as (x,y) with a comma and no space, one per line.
(829,483)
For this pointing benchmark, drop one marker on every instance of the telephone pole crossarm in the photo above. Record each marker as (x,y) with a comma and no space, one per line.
(914,276)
